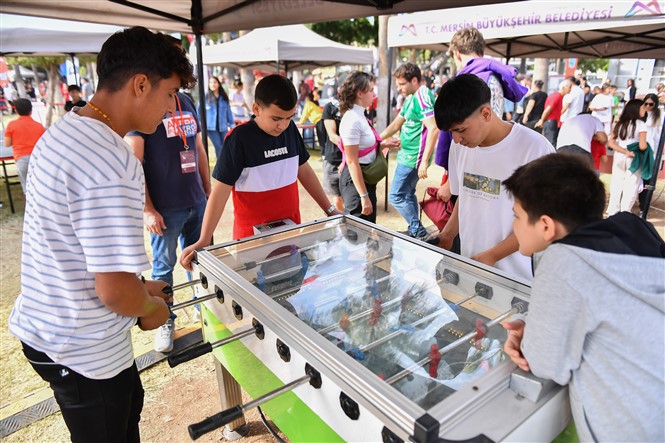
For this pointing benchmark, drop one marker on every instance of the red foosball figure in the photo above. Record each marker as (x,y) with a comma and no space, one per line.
(435,359)
(344,322)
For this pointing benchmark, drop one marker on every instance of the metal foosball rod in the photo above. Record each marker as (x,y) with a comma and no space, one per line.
(516,309)
(222,418)
(219,295)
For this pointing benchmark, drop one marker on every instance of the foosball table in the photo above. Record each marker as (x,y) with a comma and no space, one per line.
(344,331)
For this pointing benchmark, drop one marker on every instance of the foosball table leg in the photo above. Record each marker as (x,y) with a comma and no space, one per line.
(230,395)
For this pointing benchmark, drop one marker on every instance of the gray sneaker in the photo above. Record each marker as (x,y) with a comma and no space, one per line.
(164,337)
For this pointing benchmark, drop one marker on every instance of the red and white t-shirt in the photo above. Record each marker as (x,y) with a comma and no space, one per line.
(263,171)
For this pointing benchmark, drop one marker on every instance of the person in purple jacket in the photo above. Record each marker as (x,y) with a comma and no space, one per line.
(467,48)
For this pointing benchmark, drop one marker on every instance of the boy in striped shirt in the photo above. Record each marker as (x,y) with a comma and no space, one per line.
(83,241)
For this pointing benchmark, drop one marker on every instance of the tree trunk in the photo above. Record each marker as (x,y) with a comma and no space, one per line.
(247,78)
(20,82)
(541,70)
(53,90)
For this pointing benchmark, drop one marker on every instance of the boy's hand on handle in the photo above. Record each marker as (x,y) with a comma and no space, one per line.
(157,317)
(188,255)
(512,348)
(156,289)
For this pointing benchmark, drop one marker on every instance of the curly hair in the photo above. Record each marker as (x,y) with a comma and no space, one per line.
(354,83)
(468,41)
(138,51)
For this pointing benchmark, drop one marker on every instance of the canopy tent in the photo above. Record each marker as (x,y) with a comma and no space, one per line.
(543,29)
(41,36)
(293,47)
(219,15)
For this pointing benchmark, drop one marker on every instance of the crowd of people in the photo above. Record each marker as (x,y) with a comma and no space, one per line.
(131,158)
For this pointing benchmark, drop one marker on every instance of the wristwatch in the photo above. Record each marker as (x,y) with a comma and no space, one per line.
(331,209)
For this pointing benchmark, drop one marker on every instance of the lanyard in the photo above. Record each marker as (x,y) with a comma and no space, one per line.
(178,124)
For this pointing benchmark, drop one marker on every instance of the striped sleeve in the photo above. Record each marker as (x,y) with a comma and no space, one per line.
(426,101)
(108,222)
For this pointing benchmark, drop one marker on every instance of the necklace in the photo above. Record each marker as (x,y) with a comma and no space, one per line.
(100,112)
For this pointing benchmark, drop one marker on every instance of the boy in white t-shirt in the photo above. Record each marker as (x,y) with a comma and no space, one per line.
(485,151)
(601,107)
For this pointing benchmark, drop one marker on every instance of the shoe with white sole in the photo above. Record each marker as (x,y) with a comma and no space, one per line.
(164,337)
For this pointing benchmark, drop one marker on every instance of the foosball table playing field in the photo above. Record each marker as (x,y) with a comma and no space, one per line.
(344,331)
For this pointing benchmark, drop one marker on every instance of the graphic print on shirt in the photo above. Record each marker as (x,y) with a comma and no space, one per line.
(186,121)
(479,186)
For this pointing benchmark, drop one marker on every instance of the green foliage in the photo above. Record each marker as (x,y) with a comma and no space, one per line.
(361,31)
(39,61)
(593,64)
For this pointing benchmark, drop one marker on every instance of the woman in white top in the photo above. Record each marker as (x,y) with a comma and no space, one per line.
(654,127)
(629,130)
(355,95)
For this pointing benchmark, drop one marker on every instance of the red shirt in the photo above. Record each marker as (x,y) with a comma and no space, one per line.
(24,132)
(555,100)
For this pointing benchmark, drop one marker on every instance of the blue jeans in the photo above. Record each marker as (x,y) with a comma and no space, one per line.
(217,139)
(403,197)
(183,225)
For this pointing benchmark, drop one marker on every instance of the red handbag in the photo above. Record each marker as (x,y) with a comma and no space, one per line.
(436,210)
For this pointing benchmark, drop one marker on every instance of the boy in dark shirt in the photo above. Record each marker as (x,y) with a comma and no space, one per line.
(597,314)
(75,94)
(261,164)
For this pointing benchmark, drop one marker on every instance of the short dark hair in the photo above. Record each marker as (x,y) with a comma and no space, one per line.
(468,41)
(23,106)
(138,51)
(562,186)
(71,88)
(459,98)
(276,90)
(408,71)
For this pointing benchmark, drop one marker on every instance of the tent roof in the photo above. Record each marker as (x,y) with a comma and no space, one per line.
(631,29)
(219,15)
(40,36)
(295,45)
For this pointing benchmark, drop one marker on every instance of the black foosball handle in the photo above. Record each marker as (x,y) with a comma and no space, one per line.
(214,422)
(189,354)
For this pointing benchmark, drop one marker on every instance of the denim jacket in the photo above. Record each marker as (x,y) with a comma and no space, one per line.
(225,115)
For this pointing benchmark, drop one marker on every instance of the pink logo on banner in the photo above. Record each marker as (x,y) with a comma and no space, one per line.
(411,29)
(652,8)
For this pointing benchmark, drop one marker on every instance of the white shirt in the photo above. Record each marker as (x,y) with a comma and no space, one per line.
(485,208)
(576,100)
(602,101)
(354,129)
(579,131)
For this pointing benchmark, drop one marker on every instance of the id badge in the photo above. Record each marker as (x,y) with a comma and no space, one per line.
(187,161)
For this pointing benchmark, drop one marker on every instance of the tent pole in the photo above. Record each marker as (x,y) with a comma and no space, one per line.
(388,121)
(651,186)
(197,27)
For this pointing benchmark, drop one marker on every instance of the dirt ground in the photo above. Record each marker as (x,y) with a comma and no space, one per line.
(176,397)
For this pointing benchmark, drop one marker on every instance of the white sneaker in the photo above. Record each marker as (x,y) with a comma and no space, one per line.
(197,316)
(164,337)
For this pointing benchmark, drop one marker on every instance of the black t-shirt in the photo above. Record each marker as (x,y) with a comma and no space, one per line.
(539,106)
(69,105)
(331,152)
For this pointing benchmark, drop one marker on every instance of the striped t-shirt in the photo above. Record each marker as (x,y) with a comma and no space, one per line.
(413,134)
(84,214)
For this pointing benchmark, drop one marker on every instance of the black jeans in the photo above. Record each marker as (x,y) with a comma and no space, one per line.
(551,131)
(94,410)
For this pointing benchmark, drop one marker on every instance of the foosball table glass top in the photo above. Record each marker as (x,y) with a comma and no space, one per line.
(424,322)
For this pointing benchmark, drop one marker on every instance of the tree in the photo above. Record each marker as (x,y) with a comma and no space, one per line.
(361,31)
(593,64)
(52,67)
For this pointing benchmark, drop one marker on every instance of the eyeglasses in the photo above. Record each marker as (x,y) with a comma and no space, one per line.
(649,104)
